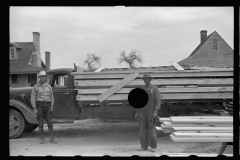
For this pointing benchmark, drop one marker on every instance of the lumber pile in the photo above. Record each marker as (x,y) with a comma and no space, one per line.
(187,85)
(199,128)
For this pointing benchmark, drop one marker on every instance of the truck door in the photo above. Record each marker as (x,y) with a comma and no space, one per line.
(62,95)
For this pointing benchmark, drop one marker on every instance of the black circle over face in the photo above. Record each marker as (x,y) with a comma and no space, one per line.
(138,98)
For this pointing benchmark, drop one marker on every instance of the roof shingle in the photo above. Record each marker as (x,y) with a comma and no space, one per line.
(21,65)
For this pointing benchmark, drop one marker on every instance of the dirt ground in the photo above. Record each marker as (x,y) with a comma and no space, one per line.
(94,137)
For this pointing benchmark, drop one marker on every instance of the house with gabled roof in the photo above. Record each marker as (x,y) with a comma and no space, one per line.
(25,62)
(213,51)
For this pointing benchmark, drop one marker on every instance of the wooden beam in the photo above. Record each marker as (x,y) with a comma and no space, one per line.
(177,66)
(99,69)
(170,125)
(161,90)
(115,75)
(165,119)
(145,71)
(164,130)
(189,121)
(202,128)
(117,86)
(210,131)
(202,134)
(201,117)
(202,139)
(186,96)
(158,82)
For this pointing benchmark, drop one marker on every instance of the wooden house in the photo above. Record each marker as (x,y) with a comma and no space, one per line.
(25,62)
(213,51)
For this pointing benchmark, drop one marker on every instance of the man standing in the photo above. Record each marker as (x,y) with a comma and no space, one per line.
(147,114)
(42,101)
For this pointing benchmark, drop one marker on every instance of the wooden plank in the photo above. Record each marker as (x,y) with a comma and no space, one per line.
(164,119)
(99,69)
(189,121)
(225,131)
(172,136)
(186,96)
(164,130)
(202,134)
(115,75)
(201,117)
(177,66)
(153,71)
(117,86)
(202,139)
(161,90)
(157,82)
(202,128)
(195,120)
(170,125)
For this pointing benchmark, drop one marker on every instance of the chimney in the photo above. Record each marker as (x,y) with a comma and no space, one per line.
(203,35)
(47,60)
(34,59)
(36,49)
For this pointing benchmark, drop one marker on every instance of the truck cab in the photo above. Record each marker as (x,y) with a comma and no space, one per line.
(62,82)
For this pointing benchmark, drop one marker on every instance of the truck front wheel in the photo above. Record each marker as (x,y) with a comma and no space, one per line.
(16,124)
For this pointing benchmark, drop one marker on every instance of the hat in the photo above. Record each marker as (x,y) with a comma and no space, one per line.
(42,73)
(147,75)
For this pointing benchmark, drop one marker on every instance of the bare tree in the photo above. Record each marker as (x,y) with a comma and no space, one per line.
(131,59)
(91,61)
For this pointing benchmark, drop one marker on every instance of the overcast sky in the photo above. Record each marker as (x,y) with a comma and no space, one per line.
(161,34)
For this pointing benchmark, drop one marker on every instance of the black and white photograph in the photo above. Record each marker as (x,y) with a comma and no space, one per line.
(121,81)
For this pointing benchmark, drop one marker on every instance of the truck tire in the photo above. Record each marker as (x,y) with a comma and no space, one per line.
(16,124)
(162,113)
(29,127)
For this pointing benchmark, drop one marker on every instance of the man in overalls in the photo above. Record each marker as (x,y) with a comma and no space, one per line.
(42,101)
(146,116)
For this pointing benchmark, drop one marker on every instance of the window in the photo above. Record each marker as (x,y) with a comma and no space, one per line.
(14,78)
(29,78)
(12,54)
(61,81)
(215,44)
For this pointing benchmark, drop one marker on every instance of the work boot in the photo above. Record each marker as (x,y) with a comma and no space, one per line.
(41,135)
(52,140)
(153,150)
(142,149)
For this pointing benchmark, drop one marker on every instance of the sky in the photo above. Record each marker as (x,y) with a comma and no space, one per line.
(160,34)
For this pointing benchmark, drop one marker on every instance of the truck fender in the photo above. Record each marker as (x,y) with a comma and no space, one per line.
(26,111)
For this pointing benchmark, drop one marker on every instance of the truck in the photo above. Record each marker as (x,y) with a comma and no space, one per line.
(77,93)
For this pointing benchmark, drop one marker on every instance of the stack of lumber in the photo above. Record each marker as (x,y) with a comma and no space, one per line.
(187,85)
(199,128)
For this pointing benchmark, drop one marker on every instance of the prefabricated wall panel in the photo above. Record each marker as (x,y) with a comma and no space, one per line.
(189,85)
